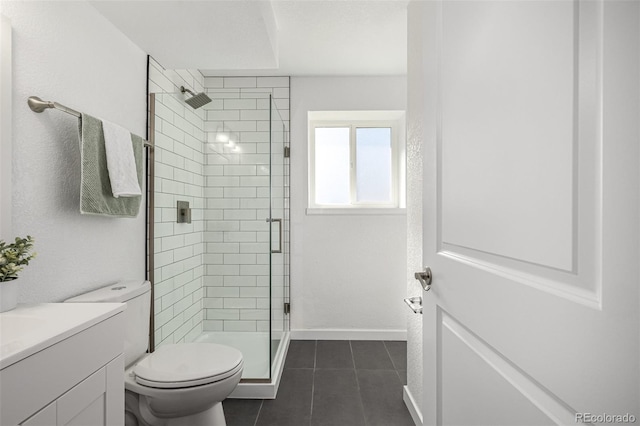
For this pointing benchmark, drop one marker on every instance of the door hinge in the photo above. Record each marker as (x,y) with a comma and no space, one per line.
(287,152)
(287,308)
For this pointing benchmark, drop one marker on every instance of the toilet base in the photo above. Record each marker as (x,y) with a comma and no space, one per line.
(138,414)
(214,416)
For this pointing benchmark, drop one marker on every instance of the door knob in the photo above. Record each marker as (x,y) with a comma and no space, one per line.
(425,278)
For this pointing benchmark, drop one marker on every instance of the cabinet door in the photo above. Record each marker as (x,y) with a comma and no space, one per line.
(91,415)
(115,392)
(97,400)
(45,417)
(84,403)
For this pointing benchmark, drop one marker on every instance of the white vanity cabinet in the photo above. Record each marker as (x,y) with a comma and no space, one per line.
(67,369)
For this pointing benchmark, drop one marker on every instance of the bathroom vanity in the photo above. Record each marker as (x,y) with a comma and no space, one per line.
(62,364)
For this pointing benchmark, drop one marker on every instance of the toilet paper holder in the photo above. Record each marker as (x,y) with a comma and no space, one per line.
(414,303)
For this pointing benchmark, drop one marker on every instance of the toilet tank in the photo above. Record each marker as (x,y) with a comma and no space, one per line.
(137,296)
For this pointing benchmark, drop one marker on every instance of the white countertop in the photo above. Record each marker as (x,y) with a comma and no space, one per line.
(31,328)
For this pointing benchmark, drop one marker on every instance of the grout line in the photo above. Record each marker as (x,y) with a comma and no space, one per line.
(313,381)
(395,368)
(258,415)
(355,371)
(353,359)
(315,355)
(390,357)
(399,378)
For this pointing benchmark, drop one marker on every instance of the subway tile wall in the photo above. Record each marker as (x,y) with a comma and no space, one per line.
(238,190)
(179,170)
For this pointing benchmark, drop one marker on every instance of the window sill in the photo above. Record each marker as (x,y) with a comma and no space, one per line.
(357,211)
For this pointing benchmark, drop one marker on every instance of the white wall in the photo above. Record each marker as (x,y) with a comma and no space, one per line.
(5,127)
(67,52)
(347,271)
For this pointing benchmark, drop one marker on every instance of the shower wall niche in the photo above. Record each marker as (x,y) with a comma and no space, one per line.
(224,277)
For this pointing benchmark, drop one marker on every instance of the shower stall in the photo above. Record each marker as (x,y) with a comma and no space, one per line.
(219,244)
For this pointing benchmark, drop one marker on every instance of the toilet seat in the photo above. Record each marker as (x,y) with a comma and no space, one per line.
(185,365)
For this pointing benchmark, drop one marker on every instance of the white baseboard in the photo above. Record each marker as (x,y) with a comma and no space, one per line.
(355,334)
(414,410)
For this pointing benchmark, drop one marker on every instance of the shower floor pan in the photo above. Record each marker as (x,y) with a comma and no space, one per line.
(255,351)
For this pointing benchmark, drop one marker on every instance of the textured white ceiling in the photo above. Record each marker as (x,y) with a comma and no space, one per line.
(279,37)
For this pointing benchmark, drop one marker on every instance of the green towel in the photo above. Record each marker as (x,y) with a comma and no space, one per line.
(96,196)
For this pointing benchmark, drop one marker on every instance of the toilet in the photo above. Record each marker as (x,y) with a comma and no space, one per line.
(177,385)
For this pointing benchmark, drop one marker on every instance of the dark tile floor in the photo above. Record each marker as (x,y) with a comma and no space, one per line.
(333,383)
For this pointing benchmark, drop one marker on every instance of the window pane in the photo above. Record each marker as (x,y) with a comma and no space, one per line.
(373,164)
(332,165)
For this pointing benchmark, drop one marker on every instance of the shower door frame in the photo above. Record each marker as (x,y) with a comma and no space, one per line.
(150,208)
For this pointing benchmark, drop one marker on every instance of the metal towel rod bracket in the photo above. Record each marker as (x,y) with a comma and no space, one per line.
(38,105)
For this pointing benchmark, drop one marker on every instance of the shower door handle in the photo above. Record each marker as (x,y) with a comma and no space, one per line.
(279,233)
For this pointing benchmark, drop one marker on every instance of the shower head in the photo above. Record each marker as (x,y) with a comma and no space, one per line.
(197,100)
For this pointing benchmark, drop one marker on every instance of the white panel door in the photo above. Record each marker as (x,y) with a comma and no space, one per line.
(531,212)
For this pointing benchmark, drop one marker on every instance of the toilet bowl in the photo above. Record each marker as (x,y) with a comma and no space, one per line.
(180,384)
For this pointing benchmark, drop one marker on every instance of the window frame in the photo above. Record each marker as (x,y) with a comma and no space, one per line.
(392,123)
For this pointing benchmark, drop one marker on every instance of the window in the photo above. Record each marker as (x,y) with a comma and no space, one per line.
(354,159)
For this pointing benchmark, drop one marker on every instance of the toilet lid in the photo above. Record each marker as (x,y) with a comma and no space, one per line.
(187,364)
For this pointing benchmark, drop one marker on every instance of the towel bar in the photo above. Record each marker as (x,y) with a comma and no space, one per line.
(38,105)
